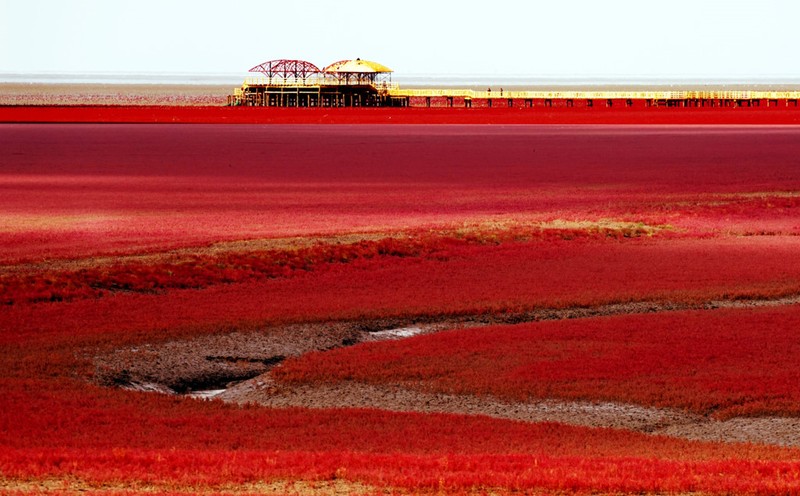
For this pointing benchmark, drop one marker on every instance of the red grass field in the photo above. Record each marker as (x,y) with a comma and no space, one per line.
(255,115)
(91,189)
(129,235)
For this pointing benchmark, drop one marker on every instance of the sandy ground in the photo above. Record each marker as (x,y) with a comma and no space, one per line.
(74,486)
(236,368)
(656,421)
(208,94)
(113,94)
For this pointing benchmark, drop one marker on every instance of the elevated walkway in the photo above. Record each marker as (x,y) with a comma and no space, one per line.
(599,95)
(320,90)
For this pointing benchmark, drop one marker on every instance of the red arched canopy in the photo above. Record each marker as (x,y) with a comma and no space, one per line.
(287,69)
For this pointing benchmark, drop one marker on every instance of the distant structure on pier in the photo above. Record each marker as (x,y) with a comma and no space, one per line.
(297,83)
(363,83)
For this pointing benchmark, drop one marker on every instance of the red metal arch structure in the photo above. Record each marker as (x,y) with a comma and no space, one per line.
(287,70)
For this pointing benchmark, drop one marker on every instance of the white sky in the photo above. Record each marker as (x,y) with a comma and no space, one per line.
(676,38)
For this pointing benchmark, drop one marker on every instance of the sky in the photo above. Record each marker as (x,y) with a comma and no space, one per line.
(695,39)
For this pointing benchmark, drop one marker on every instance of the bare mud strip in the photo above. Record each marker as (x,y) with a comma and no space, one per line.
(264,391)
(781,431)
(74,486)
(211,363)
(206,366)
(235,368)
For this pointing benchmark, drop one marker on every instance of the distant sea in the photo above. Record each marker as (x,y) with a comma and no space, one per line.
(119,78)
(425,80)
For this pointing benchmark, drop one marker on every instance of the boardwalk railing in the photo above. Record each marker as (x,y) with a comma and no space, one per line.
(609,95)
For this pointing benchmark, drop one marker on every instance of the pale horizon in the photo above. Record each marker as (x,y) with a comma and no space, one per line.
(701,40)
(414,79)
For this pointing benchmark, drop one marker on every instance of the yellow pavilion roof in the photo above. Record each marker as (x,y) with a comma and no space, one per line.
(356,66)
